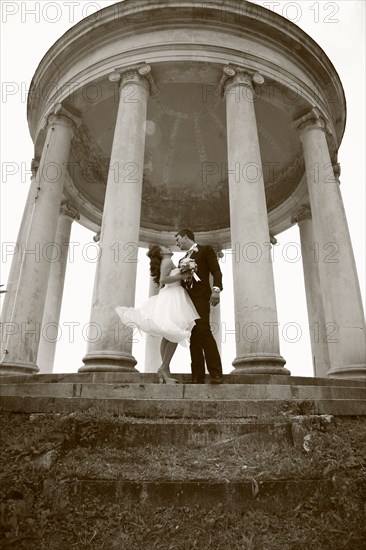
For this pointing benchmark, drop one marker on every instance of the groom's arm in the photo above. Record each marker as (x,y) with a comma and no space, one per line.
(213,267)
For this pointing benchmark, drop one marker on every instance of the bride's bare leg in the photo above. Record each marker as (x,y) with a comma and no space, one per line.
(163,344)
(167,350)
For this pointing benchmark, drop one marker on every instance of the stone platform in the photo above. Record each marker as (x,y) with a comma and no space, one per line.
(140,395)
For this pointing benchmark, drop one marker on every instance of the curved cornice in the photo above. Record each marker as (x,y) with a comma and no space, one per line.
(232,17)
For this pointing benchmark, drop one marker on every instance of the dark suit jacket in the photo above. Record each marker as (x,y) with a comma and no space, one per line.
(207,263)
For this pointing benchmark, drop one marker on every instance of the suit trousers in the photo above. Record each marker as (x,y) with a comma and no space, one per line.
(203,345)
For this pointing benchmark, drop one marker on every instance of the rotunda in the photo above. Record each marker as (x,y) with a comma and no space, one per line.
(222,117)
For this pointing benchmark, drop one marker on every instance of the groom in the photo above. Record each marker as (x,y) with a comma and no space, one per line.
(203,345)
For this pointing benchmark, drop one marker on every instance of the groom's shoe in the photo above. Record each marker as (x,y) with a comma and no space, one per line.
(195,380)
(216,380)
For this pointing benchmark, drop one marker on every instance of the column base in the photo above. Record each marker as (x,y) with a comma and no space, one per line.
(355,372)
(259,364)
(15,369)
(108,362)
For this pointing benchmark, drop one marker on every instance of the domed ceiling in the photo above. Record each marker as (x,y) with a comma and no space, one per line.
(185,181)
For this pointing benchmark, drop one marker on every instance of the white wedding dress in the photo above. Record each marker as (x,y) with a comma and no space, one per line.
(170,314)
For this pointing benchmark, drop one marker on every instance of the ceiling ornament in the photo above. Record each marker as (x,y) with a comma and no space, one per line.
(169,154)
(91,161)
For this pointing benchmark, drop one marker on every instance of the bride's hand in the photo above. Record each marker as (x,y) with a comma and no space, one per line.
(186,276)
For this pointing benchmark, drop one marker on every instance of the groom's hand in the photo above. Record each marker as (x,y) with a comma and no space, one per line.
(215,298)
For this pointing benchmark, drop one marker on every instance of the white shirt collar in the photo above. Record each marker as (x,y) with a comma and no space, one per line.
(194,248)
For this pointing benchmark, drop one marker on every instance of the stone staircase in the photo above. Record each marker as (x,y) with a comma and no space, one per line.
(99,440)
(185,483)
(140,395)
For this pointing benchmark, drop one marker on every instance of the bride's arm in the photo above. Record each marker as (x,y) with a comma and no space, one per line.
(165,268)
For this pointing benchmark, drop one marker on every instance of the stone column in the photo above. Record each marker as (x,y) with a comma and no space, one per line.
(110,347)
(152,348)
(51,314)
(343,311)
(12,282)
(23,332)
(256,322)
(215,322)
(215,312)
(314,300)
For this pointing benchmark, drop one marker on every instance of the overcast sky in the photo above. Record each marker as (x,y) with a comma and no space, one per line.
(28,30)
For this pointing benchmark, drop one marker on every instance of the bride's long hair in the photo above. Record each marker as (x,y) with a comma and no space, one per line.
(154,253)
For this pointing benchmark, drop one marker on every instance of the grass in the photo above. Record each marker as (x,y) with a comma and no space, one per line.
(41,449)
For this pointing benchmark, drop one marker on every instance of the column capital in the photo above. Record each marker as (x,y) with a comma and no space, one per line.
(63,116)
(135,74)
(238,76)
(303,213)
(236,79)
(68,209)
(311,120)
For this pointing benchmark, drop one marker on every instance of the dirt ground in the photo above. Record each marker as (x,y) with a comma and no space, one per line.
(43,451)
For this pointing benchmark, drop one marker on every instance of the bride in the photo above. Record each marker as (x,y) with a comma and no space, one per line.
(170,314)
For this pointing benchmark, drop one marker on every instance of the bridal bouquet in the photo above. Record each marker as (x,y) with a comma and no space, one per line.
(189,266)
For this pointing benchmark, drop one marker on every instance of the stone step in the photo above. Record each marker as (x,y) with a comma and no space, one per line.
(185,408)
(152,378)
(183,391)
(265,495)
(124,433)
